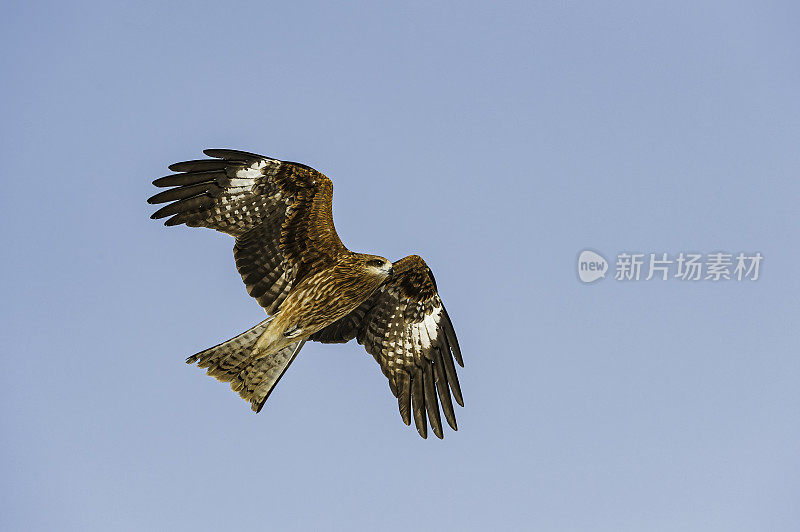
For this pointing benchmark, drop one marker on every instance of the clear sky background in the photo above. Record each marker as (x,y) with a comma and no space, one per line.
(497,140)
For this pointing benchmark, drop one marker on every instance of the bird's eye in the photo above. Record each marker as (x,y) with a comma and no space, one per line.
(375,262)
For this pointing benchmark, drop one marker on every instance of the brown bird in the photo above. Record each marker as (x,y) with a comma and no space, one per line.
(313,287)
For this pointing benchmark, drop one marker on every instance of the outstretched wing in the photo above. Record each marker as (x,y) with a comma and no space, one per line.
(278,211)
(405,326)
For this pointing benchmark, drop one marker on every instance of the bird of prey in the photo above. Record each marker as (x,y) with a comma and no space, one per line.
(311,286)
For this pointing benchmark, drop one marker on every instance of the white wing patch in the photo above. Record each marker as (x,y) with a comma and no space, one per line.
(426,330)
(431,323)
(256,169)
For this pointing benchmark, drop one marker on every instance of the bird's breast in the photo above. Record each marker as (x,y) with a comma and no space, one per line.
(325,297)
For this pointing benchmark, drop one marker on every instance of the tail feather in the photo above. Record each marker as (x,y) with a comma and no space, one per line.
(234,361)
(224,361)
(259,378)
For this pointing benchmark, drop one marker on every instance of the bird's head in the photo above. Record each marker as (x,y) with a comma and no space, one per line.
(375,265)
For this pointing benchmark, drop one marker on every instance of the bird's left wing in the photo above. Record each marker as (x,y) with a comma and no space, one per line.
(278,211)
(405,326)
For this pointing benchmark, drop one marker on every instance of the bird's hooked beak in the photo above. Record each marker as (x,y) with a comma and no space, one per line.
(391,271)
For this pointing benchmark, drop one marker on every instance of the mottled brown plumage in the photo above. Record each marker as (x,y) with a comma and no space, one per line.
(294,264)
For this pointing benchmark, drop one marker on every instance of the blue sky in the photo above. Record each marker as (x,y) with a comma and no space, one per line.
(497,140)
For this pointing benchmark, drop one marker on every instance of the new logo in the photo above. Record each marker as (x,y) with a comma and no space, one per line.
(591,266)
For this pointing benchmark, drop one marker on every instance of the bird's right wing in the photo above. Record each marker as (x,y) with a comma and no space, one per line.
(279,212)
(405,326)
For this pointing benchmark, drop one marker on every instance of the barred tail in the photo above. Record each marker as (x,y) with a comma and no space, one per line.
(234,361)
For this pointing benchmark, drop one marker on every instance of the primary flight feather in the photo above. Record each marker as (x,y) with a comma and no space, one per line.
(313,287)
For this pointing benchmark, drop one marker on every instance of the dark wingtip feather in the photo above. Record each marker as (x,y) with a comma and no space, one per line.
(184,205)
(431,404)
(200,165)
(175,220)
(444,390)
(190,178)
(236,155)
(180,193)
(404,397)
(418,405)
(450,332)
(450,371)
